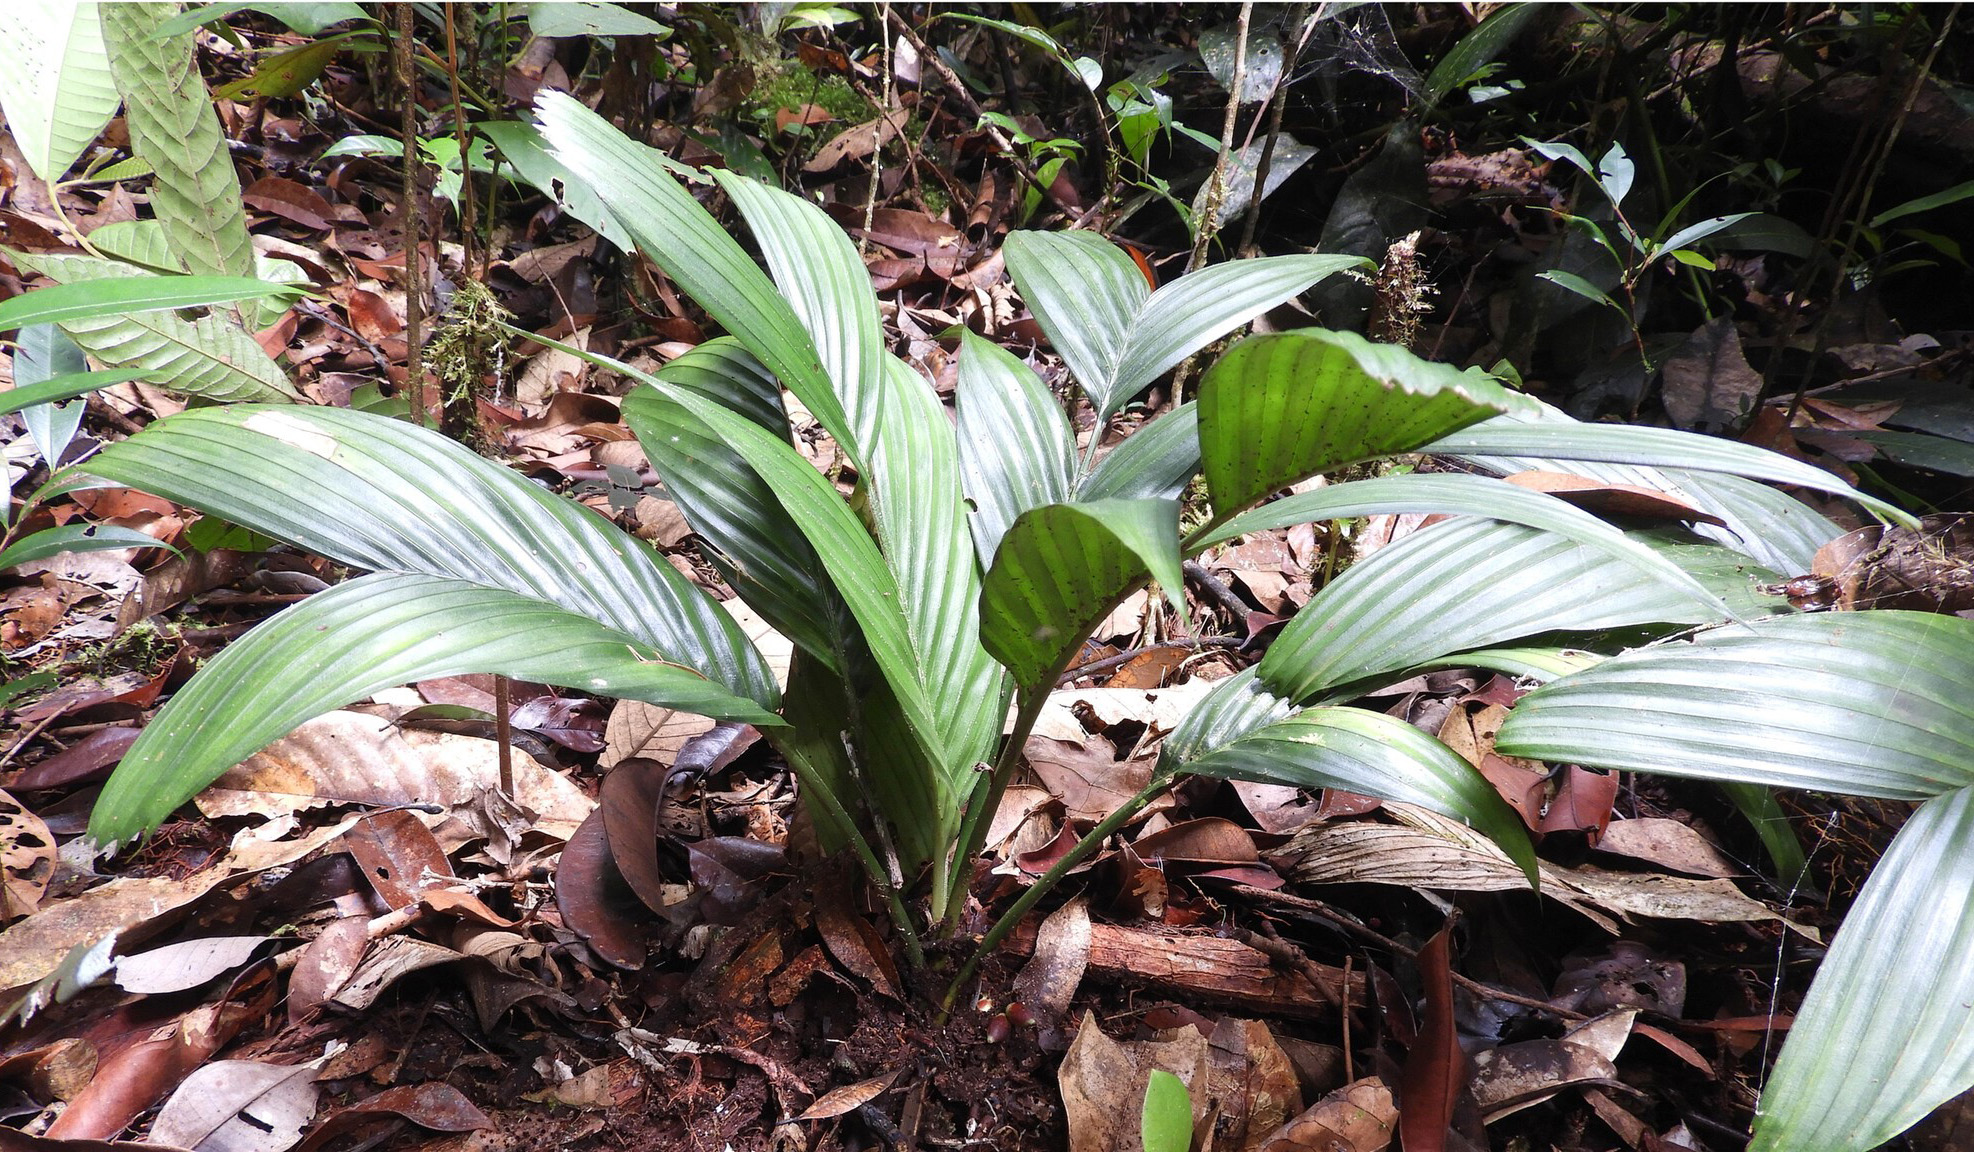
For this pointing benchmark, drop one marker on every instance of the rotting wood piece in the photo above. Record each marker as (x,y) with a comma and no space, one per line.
(1206,968)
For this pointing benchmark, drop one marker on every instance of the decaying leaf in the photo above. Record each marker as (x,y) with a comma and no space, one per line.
(239,1106)
(354,758)
(1062,951)
(27,859)
(1103,1083)
(1359,1117)
(1427,850)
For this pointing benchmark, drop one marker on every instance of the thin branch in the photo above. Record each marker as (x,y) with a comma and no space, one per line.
(1207,222)
(1303,18)
(414,269)
(927,57)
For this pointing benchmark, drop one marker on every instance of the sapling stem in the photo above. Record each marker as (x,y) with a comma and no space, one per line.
(1027,900)
(986,799)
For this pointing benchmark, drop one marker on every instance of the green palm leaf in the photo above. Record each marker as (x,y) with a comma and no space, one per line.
(362,636)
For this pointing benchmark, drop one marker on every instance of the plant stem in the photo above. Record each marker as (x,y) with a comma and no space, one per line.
(986,799)
(1012,917)
(504,737)
(814,788)
(414,280)
(1208,222)
(1299,19)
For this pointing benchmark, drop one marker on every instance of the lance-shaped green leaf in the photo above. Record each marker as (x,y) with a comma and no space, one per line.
(1016,448)
(1472,495)
(848,553)
(75,538)
(821,277)
(1061,568)
(905,441)
(382,495)
(211,357)
(1867,703)
(1882,1038)
(56,89)
(67,386)
(1115,333)
(43,352)
(637,186)
(744,530)
(922,528)
(1475,583)
(362,636)
(1236,706)
(521,145)
(1538,662)
(1773,527)
(1154,461)
(1375,754)
(62,303)
(725,372)
(1282,407)
(1651,447)
(173,124)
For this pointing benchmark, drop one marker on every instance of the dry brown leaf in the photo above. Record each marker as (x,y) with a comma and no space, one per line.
(1087,775)
(1669,844)
(1103,1084)
(838,1101)
(1427,850)
(1047,983)
(34,947)
(239,1106)
(353,758)
(636,728)
(1517,1076)
(1253,1082)
(1359,1117)
(27,860)
(187,964)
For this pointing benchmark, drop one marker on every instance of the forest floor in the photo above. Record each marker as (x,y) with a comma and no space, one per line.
(478,971)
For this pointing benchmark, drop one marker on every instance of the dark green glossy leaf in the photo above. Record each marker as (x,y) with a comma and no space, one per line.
(61,303)
(1115,333)
(1016,448)
(1377,755)
(725,372)
(1882,1038)
(1061,568)
(75,538)
(64,387)
(1651,447)
(849,555)
(1474,496)
(1477,49)
(384,496)
(1474,583)
(1279,408)
(905,441)
(210,357)
(360,637)
(1156,461)
(744,531)
(1867,703)
(669,227)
